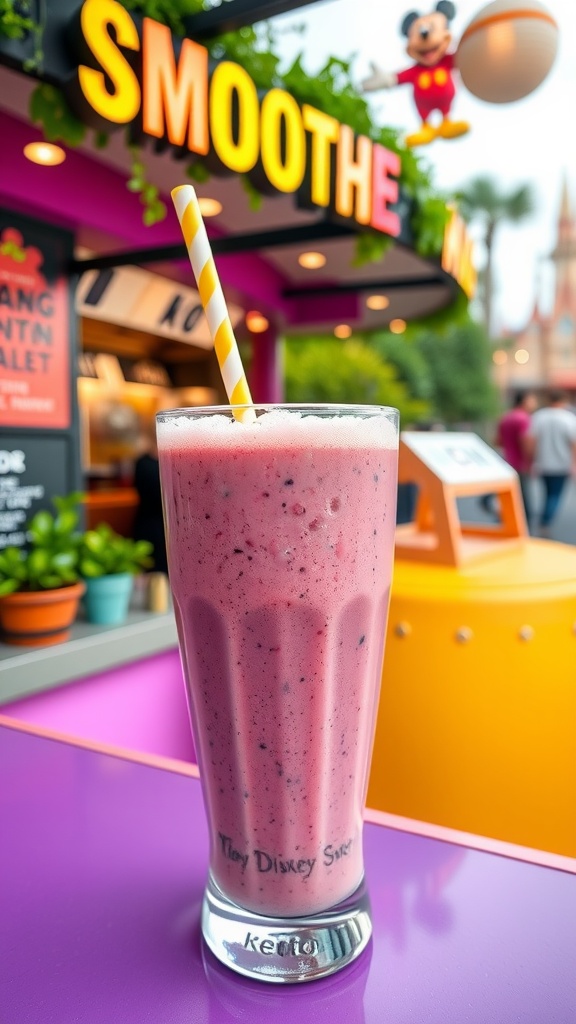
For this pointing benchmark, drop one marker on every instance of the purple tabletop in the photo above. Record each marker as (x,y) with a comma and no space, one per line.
(102,867)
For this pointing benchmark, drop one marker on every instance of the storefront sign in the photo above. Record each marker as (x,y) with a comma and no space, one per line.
(127,77)
(458,458)
(34,330)
(32,469)
(135,298)
(457,254)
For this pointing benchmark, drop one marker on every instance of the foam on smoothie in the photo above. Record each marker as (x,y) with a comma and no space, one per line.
(279,427)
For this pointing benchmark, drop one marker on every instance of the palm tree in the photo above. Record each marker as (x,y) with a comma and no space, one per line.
(482,199)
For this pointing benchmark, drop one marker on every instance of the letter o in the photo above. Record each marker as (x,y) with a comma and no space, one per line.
(280,110)
(239,154)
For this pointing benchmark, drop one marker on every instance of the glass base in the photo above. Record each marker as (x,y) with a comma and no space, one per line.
(286,949)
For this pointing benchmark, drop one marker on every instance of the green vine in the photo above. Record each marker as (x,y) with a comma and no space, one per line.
(48,108)
(169,12)
(332,89)
(16,22)
(154,208)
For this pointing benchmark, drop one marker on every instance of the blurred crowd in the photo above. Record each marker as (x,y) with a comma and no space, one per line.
(538,439)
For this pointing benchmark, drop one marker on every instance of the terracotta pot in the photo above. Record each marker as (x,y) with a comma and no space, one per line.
(39,618)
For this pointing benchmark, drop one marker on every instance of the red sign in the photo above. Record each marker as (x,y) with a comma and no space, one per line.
(34,339)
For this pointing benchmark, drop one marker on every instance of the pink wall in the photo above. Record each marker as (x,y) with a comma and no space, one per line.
(140,706)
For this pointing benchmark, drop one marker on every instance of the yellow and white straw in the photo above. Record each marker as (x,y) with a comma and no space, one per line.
(212,299)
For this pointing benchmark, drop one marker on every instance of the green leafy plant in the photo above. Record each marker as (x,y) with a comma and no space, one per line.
(154,208)
(169,12)
(48,108)
(320,369)
(16,23)
(14,20)
(105,553)
(52,559)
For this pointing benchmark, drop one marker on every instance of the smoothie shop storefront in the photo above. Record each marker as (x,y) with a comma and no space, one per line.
(100,322)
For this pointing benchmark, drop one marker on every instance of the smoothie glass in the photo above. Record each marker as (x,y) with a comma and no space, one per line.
(280,534)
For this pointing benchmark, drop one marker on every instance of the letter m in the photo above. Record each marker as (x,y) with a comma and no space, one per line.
(175,97)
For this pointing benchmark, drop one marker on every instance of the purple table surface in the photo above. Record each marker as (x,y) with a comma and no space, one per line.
(102,866)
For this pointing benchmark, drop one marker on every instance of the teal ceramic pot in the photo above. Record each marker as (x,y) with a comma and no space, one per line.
(107,598)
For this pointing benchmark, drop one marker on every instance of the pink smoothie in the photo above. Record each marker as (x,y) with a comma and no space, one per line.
(280,543)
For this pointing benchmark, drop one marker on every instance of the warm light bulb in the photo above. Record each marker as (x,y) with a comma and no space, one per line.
(499,357)
(209,207)
(343,331)
(311,260)
(521,356)
(397,326)
(45,153)
(377,302)
(256,322)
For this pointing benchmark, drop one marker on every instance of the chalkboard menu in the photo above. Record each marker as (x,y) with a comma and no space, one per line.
(39,432)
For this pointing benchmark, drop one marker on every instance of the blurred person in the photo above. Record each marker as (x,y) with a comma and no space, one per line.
(511,434)
(551,442)
(149,521)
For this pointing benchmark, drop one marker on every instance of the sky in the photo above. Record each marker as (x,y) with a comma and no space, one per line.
(531,141)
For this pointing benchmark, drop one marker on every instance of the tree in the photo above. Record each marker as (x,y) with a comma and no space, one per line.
(350,372)
(407,360)
(459,362)
(483,200)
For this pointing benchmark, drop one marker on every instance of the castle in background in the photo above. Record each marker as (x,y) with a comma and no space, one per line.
(543,354)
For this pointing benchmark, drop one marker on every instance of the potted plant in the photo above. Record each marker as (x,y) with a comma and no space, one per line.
(40,585)
(108,563)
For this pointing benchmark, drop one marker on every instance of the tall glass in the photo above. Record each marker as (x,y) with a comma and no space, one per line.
(280,546)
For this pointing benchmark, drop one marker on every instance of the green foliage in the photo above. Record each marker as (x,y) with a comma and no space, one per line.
(444,374)
(169,12)
(253,48)
(459,361)
(14,20)
(52,559)
(456,313)
(198,172)
(255,197)
(154,208)
(482,197)
(429,221)
(484,201)
(105,553)
(371,248)
(48,107)
(408,362)
(326,370)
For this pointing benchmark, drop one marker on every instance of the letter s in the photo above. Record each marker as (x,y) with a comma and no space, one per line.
(98,107)
(328,855)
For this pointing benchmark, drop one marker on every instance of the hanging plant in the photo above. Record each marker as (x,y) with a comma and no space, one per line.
(48,108)
(16,22)
(154,208)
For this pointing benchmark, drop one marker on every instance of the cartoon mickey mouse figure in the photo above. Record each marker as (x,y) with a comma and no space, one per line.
(429,38)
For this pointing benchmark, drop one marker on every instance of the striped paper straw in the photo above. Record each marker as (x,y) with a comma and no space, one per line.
(212,299)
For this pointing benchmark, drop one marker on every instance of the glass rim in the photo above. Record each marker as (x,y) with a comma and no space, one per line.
(318,407)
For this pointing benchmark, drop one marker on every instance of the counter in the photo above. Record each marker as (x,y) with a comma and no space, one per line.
(109,684)
(103,867)
(29,670)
